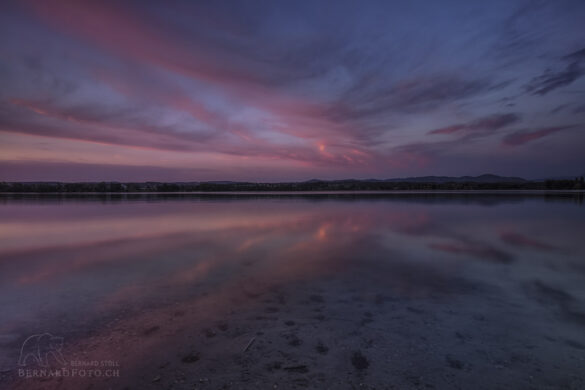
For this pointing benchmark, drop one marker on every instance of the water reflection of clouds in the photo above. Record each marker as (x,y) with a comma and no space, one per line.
(521,240)
(218,256)
(52,247)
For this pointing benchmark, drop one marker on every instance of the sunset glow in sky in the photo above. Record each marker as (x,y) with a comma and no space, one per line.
(290,90)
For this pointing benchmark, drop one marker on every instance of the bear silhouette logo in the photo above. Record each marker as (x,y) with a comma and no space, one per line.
(38,347)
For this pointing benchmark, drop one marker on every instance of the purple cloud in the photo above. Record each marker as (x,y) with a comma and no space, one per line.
(522,137)
(487,124)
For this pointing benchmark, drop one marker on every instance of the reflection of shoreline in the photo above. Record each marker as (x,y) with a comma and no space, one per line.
(476,197)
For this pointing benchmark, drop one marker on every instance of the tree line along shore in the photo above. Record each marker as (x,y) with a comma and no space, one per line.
(313,185)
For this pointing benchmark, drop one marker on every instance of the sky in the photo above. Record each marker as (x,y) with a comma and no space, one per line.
(290,90)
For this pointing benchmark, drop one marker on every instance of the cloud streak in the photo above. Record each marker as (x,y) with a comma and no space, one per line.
(487,124)
(551,80)
(521,137)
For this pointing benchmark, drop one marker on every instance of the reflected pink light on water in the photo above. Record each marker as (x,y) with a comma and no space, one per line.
(167,267)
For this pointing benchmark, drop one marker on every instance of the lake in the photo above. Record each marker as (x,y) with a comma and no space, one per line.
(238,291)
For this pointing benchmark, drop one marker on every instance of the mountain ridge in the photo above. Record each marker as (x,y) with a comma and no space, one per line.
(485,178)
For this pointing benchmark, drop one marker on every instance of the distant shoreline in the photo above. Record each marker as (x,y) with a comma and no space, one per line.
(483,197)
(393,185)
(543,192)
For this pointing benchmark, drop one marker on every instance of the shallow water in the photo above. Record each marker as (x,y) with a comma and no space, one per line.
(298,291)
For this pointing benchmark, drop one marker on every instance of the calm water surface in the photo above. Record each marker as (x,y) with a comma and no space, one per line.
(344,291)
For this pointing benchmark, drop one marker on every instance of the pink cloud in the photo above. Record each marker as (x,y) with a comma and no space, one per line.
(114,29)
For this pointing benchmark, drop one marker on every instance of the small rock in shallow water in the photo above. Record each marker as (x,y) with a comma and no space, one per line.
(190,358)
(301,368)
(454,363)
(322,348)
(359,361)
(151,330)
